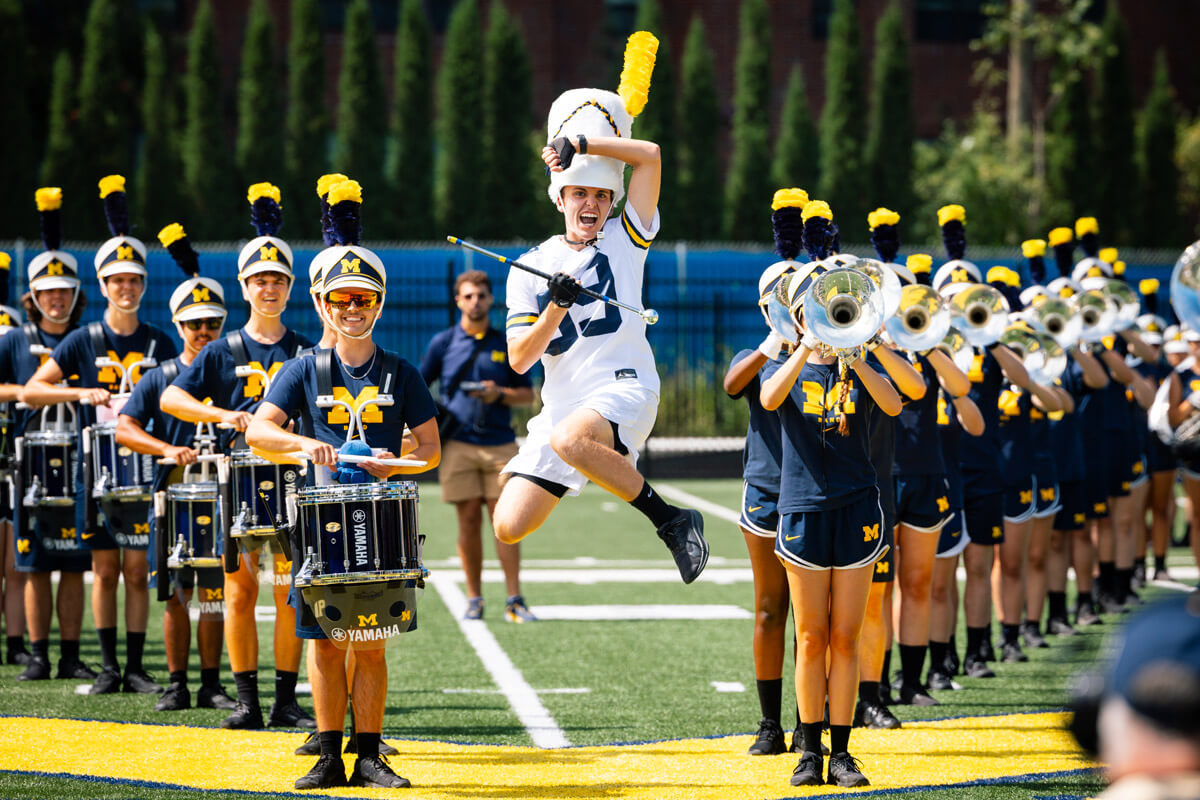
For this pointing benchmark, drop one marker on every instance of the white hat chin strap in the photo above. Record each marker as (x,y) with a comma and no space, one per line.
(45,315)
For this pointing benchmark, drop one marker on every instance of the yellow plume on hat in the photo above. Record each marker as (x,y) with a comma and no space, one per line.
(1086,225)
(919,262)
(346,190)
(325,182)
(1003,275)
(1032,248)
(817,208)
(111,183)
(1118,268)
(1108,255)
(952,212)
(258,190)
(1060,236)
(171,234)
(1148,286)
(48,198)
(789,198)
(882,216)
(641,49)
(5,260)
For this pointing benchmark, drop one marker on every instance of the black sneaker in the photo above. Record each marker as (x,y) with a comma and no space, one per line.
(987,652)
(770,740)
(1057,626)
(215,697)
(74,669)
(1138,580)
(885,694)
(21,658)
(328,772)
(684,537)
(953,664)
(1110,605)
(937,679)
(1011,653)
(1085,614)
(915,696)
(138,682)
(107,682)
(1161,574)
(385,749)
(808,771)
(1032,636)
(874,715)
(374,771)
(175,698)
(798,743)
(311,746)
(846,771)
(38,670)
(290,716)
(976,667)
(245,718)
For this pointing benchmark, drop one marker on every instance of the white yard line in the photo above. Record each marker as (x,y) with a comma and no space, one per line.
(624,613)
(707,506)
(587,577)
(543,730)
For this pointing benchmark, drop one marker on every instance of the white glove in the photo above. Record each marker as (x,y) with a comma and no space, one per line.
(1194,399)
(771,346)
(810,341)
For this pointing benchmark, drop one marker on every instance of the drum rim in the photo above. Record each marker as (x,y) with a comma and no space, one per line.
(44,438)
(389,490)
(248,458)
(194,489)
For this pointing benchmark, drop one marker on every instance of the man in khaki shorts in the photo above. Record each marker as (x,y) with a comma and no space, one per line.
(470,363)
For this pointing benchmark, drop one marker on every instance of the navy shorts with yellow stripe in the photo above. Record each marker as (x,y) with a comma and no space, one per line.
(984,517)
(922,502)
(45,541)
(1046,500)
(952,538)
(1020,501)
(842,538)
(760,510)
(1159,457)
(885,571)
(1121,467)
(1138,472)
(1072,512)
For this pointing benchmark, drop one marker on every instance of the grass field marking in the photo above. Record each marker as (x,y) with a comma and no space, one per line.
(678,495)
(589,562)
(624,613)
(588,577)
(1173,585)
(728,687)
(568,690)
(542,728)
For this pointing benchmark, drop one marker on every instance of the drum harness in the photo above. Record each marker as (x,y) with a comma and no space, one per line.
(64,420)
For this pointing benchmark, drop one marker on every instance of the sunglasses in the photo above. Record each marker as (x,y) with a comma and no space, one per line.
(196,324)
(344,299)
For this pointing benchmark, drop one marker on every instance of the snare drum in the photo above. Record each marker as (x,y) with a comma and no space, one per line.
(252,479)
(121,475)
(193,524)
(47,463)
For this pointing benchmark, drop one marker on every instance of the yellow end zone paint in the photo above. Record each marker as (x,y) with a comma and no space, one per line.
(920,754)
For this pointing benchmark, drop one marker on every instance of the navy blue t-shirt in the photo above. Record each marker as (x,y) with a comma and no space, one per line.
(949,431)
(447,355)
(1066,430)
(761,456)
(918,451)
(294,391)
(18,363)
(211,375)
(145,406)
(1016,442)
(979,456)
(1043,453)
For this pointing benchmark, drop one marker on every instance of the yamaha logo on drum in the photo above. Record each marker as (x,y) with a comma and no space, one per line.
(360,537)
(338,634)
(359,515)
(333,527)
(289,476)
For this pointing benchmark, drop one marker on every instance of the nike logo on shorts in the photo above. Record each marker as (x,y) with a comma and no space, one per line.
(755,508)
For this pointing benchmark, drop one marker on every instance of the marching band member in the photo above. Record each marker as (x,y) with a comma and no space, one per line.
(45,540)
(120,539)
(263,344)
(12,581)
(198,311)
(1160,461)
(352,295)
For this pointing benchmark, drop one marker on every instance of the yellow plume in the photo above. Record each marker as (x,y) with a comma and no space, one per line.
(999,273)
(1060,236)
(789,198)
(1148,286)
(919,262)
(171,234)
(49,198)
(110,184)
(325,182)
(5,260)
(1086,225)
(1108,255)
(346,190)
(882,216)
(258,190)
(1032,248)
(817,208)
(952,212)
(1119,268)
(640,52)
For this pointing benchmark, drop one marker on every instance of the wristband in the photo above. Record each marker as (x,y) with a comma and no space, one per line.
(582,148)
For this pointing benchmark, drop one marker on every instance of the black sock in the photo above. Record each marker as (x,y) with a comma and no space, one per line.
(1082,598)
(1011,633)
(937,655)
(68,649)
(41,649)
(247,688)
(108,647)
(135,646)
(210,677)
(839,738)
(975,640)
(1107,577)
(770,695)
(1058,604)
(952,648)
(811,733)
(1160,563)
(15,644)
(179,676)
(285,688)
(650,503)
(884,677)
(912,662)
(868,692)
(331,743)
(1124,582)
(368,744)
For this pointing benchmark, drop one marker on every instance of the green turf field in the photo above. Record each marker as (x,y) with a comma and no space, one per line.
(600,682)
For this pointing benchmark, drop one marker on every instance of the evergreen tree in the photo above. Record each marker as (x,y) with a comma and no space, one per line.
(411,155)
(797,151)
(699,202)
(259,103)
(890,139)
(105,110)
(156,194)
(209,186)
(1159,179)
(62,165)
(1070,166)
(18,167)
(748,184)
(658,121)
(844,182)
(508,119)
(306,131)
(460,156)
(360,135)
(1113,129)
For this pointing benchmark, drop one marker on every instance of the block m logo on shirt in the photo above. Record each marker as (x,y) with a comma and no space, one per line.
(254,382)
(111,376)
(338,415)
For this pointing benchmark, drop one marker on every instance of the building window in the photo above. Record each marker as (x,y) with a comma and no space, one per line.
(949,20)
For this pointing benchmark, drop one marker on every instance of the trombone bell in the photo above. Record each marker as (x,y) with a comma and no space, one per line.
(921,320)
(980,313)
(843,308)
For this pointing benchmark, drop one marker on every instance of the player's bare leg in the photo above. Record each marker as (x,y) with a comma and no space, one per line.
(285,711)
(522,508)
(241,640)
(1162,485)
(1035,580)
(872,648)
(13,595)
(977,607)
(916,551)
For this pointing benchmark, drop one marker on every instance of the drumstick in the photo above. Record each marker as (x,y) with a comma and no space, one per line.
(23,406)
(300,455)
(206,458)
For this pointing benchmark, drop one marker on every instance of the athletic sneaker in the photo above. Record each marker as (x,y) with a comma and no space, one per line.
(137,681)
(1032,635)
(1058,626)
(808,771)
(1011,653)
(385,749)
(798,743)
(107,682)
(245,718)
(74,669)
(874,715)
(290,716)
(474,608)
(328,772)
(38,670)
(1138,580)
(21,657)
(846,771)
(1161,574)
(1110,605)
(976,667)
(175,698)
(515,610)
(937,679)
(684,537)
(375,771)
(1085,614)
(216,697)
(770,740)
(311,745)
(915,696)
